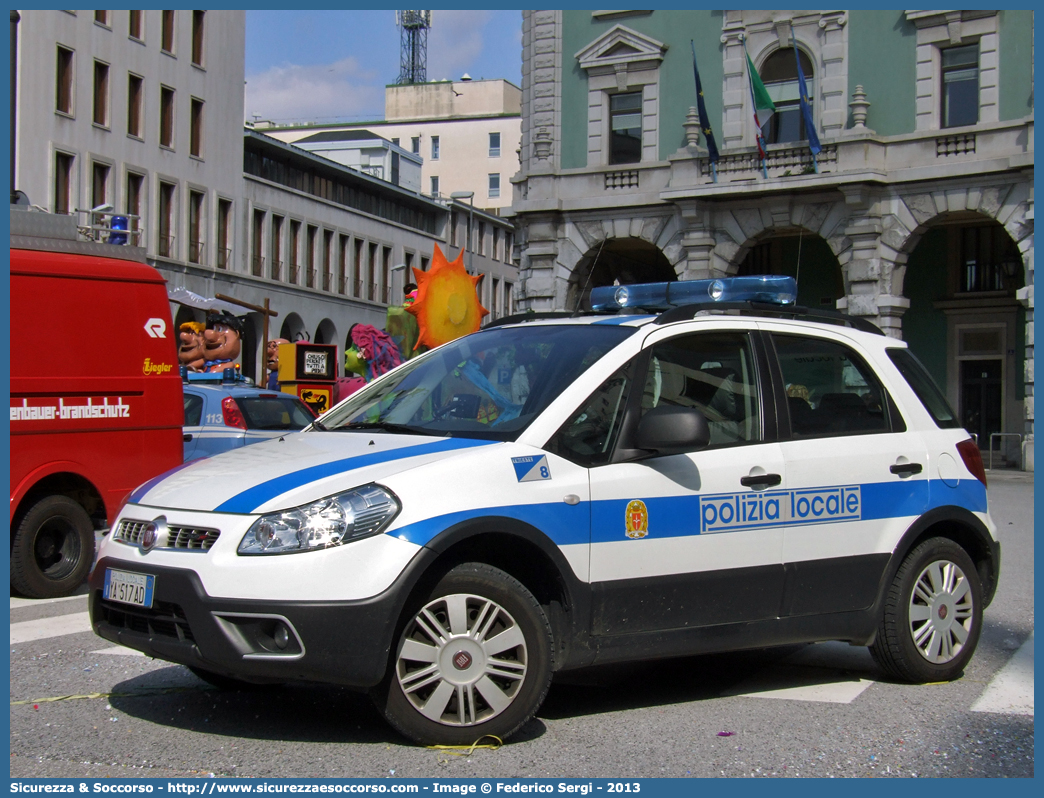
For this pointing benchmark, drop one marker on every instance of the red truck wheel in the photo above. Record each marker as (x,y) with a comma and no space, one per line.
(53,548)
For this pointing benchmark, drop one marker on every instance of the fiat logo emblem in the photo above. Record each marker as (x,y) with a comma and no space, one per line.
(150,536)
(461,660)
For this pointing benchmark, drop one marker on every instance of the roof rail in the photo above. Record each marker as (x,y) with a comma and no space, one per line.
(518,318)
(687,312)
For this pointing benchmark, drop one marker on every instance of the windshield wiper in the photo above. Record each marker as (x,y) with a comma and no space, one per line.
(318,425)
(383,426)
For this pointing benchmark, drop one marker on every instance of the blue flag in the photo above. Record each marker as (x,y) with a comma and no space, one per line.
(705,125)
(806,106)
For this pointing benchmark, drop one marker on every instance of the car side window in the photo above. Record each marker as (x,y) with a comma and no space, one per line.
(830,390)
(590,434)
(714,373)
(193,410)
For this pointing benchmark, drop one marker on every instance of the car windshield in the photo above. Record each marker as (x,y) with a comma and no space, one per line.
(274,412)
(488,385)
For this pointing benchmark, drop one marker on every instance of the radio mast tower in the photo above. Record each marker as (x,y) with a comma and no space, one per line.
(413,57)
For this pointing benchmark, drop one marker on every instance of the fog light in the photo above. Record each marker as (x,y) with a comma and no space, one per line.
(281,637)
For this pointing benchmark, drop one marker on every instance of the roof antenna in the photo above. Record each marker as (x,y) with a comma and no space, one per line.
(801,234)
(590,274)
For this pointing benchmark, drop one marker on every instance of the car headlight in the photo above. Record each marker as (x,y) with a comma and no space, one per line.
(333,521)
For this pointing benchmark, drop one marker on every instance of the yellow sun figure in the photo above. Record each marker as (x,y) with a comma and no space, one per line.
(447,305)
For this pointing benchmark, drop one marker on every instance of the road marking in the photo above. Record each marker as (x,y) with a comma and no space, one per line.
(121,651)
(17,601)
(1010,692)
(44,628)
(824,672)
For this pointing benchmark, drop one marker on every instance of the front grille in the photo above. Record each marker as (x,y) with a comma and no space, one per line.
(178,537)
(163,619)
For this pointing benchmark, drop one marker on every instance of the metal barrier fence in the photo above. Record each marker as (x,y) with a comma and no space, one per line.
(1004,435)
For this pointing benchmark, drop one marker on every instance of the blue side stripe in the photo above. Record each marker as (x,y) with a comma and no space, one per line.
(680,516)
(139,494)
(252,498)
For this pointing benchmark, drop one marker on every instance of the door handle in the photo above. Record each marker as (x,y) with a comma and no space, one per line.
(761,481)
(186,437)
(906,469)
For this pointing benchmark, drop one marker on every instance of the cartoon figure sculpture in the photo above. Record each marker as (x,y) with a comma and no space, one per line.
(447,305)
(372,353)
(272,361)
(190,353)
(222,338)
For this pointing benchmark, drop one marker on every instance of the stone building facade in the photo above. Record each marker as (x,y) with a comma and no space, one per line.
(917,212)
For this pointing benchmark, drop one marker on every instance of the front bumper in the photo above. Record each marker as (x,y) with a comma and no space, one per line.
(337,642)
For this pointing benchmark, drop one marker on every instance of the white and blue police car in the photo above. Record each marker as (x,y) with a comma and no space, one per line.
(704,467)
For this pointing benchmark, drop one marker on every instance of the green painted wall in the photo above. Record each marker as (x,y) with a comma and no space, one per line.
(677,85)
(882,58)
(1016,49)
(924,327)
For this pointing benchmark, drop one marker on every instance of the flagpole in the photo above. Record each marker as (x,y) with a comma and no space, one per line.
(705,125)
(754,109)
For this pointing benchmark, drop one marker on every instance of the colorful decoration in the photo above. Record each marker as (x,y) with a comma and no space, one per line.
(222,340)
(191,351)
(447,305)
(272,361)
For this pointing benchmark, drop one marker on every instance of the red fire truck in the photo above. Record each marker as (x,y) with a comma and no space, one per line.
(96,399)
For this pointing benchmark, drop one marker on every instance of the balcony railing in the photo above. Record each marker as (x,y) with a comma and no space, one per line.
(257,265)
(224,257)
(195,251)
(277,270)
(295,269)
(310,277)
(358,292)
(326,281)
(165,246)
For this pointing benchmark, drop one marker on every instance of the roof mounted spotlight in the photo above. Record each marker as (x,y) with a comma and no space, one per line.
(769,289)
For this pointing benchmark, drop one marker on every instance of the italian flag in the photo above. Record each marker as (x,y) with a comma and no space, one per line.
(764,108)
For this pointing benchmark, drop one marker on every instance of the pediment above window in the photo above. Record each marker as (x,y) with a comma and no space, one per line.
(618,48)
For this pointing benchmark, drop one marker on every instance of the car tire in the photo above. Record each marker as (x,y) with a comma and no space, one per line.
(473,659)
(52,550)
(932,615)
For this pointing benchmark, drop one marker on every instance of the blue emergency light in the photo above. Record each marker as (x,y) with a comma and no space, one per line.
(770,289)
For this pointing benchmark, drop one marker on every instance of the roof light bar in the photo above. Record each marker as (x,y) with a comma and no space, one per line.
(771,289)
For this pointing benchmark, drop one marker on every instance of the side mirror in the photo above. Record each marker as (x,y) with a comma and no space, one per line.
(670,429)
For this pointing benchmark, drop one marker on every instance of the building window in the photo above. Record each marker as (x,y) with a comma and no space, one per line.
(166,117)
(224,233)
(395,141)
(960,78)
(425,263)
(434,186)
(132,205)
(196,217)
(453,229)
(434,148)
(197,37)
(101,94)
(313,231)
(494,145)
(276,251)
(196,129)
(625,128)
(371,275)
(102,18)
(135,97)
(327,247)
(495,254)
(167,32)
(257,260)
(509,307)
(357,269)
(167,217)
(494,186)
(63,101)
(385,274)
(295,241)
(342,264)
(99,185)
(415,145)
(481,238)
(989,260)
(63,167)
(134,27)
(779,74)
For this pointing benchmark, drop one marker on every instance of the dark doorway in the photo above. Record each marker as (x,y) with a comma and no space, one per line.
(981,398)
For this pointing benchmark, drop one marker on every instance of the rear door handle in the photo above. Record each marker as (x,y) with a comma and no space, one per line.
(906,469)
(761,481)
(186,437)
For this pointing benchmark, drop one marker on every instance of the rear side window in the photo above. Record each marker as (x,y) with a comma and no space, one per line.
(274,412)
(918,378)
(193,409)
(830,390)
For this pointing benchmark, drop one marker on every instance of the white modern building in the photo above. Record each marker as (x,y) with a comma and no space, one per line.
(143,111)
(467,133)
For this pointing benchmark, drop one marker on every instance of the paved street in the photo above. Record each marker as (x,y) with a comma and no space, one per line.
(83,708)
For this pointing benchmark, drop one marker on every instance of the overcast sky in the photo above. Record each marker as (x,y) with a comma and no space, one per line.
(324,65)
